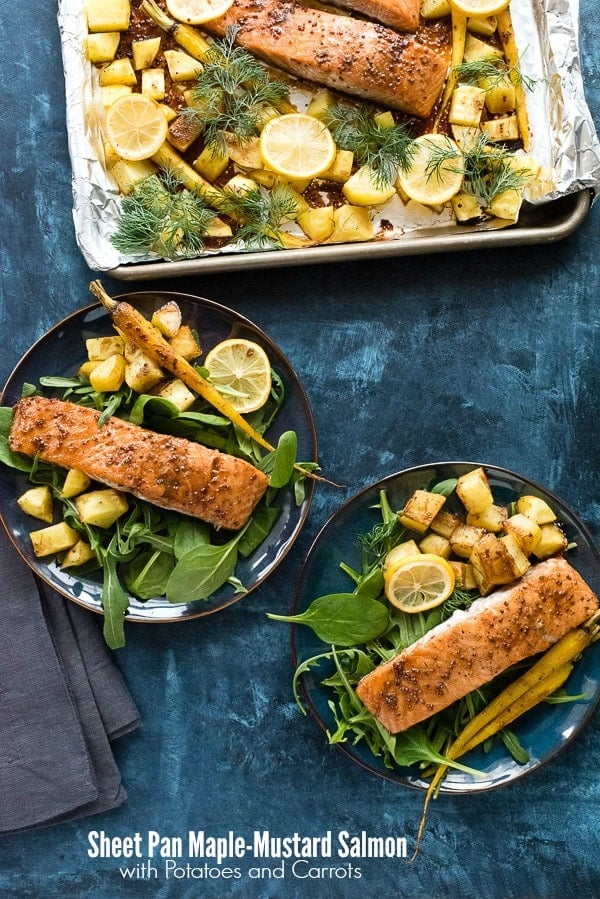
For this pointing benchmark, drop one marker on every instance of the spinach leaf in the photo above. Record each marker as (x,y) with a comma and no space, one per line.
(284,459)
(188,534)
(13,460)
(147,574)
(445,488)
(345,619)
(258,529)
(202,570)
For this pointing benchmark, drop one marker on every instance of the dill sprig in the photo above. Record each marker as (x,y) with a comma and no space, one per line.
(493,72)
(160,216)
(442,157)
(489,170)
(260,214)
(382,148)
(232,93)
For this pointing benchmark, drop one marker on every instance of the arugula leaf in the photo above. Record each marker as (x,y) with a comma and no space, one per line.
(115,602)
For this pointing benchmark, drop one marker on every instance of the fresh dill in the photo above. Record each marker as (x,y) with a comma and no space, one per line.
(384,149)
(260,214)
(489,170)
(161,217)
(232,94)
(492,72)
(443,158)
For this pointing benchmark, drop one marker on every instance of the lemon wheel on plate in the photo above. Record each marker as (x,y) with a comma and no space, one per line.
(243,368)
(419,582)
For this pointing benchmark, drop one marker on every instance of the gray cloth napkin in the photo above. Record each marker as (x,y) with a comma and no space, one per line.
(62,700)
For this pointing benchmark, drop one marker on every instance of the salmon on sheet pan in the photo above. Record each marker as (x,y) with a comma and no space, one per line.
(474,646)
(170,472)
(403,15)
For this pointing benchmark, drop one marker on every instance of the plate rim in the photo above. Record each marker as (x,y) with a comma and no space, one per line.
(387,774)
(230,314)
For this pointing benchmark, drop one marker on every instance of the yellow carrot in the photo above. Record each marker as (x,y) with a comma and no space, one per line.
(186,36)
(511,53)
(459,37)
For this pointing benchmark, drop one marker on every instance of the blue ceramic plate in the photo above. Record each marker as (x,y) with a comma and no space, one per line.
(543,731)
(62,350)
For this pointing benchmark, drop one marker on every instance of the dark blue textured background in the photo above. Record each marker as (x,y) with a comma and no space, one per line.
(487,355)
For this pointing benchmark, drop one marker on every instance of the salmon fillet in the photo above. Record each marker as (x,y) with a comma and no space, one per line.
(400,14)
(361,58)
(170,472)
(473,646)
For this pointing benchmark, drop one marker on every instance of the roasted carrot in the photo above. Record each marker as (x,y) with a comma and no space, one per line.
(459,36)
(511,52)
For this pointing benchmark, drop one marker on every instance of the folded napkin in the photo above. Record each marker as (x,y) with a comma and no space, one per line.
(62,700)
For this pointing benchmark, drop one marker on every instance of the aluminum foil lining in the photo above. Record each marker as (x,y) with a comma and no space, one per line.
(564,137)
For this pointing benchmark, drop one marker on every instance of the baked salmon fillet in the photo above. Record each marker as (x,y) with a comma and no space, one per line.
(170,472)
(356,57)
(474,646)
(403,15)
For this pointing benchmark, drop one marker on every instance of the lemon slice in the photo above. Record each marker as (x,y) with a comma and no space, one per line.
(479,7)
(436,170)
(194,12)
(420,582)
(297,146)
(136,127)
(244,368)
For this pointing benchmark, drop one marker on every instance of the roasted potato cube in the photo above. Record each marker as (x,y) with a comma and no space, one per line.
(492,563)
(445,523)
(75,482)
(385,119)
(484,26)
(466,207)
(120,71)
(37,502)
(506,205)
(474,491)
(246,154)
(211,163)
(504,128)
(178,394)
(186,344)
(144,52)
(552,542)
(436,544)
(464,538)
(466,105)
(317,222)
(399,552)
(102,47)
(520,562)
(363,189)
(435,9)
(182,66)
(107,15)
(86,368)
(526,532)
(101,507)
(142,373)
(351,224)
(492,518)
(99,348)
(464,576)
(111,92)
(341,167)
(54,539)
(420,510)
(153,84)
(108,375)
(128,174)
(216,227)
(78,554)
(536,508)
(477,50)
(500,94)
(167,319)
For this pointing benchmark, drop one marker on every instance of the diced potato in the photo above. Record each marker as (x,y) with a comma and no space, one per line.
(474,491)
(216,227)
(108,375)
(183,132)
(341,167)
(466,207)
(492,563)
(492,518)
(101,507)
(464,538)
(128,174)
(142,373)
(107,15)
(317,222)
(245,154)
(86,368)
(484,26)
(265,114)
(445,523)
(506,205)
(351,224)
(240,185)
(144,52)
(463,574)
(111,92)
(504,128)
(102,47)
(526,532)
(38,502)
(436,544)
(186,344)
(182,66)
(519,561)
(435,9)
(167,319)
(399,552)
(168,111)
(552,541)
(210,163)
(99,348)
(75,483)
(385,119)
(178,394)
(362,188)
(500,95)
(466,105)
(536,508)
(78,554)
(111,157)
(54,539)
(476,50)
(153,84)
(420,510)
(320,104)
(120,71)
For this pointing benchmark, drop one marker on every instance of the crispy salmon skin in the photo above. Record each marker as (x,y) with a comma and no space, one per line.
(170,472)
(356,57)
(474,646)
